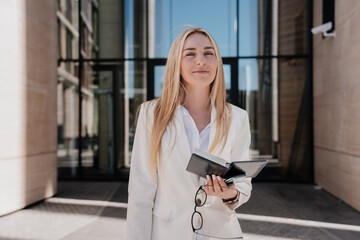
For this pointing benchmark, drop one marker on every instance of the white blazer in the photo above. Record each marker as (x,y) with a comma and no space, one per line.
(160,208)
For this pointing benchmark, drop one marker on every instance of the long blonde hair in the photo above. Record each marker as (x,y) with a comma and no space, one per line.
(173,94)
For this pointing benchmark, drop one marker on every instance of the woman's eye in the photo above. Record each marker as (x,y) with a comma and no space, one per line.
(209,53)
(190,54)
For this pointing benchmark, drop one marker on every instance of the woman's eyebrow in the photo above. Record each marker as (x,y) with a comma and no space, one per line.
(191,49)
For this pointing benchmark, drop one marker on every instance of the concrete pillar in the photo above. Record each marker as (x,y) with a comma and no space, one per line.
(28,87)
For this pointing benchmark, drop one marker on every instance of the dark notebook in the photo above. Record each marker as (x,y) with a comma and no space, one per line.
(202,164)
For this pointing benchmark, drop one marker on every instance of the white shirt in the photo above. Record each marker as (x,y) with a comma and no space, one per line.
(195,139)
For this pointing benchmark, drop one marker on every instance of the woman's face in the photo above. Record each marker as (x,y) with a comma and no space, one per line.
(198,62)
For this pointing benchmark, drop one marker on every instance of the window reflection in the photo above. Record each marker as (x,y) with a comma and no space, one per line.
(251,34)
(227,75)
(167,18)
(248,28)
(255,96)
(109,112)
(159,73)
(67,119)
(136,95)
(255,27)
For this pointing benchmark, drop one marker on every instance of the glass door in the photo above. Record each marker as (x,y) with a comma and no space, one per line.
(101,112)
(109,115)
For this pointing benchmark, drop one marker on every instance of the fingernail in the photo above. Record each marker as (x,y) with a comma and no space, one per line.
(219,178)
(213,176)
(207,177)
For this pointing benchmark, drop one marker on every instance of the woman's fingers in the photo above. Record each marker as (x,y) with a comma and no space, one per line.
(217,187)
(209,188)
(222,183)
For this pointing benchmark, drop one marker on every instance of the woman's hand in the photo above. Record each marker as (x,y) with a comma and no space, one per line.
(215,186)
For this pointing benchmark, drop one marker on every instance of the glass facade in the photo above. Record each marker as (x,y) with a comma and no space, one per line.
(168,18)
(121,63)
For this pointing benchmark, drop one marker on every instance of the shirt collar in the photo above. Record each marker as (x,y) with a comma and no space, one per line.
(184,111)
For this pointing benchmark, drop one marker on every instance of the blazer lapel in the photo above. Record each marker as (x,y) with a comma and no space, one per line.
(211,137)
(182,143)
(212,127)
(182,146)
(182,140)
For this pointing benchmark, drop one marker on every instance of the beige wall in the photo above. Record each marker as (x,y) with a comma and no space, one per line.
(337,103)
(28,53)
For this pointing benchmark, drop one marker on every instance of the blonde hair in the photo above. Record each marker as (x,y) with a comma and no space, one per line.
(173,94)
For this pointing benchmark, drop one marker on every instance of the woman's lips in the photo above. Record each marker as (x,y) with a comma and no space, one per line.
(201,72)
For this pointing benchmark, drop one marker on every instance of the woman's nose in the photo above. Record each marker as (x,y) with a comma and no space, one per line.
(200,60)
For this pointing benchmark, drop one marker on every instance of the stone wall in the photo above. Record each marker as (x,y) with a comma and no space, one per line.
(337,103)
(28,53)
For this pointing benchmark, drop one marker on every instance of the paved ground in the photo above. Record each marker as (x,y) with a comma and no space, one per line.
(97,210)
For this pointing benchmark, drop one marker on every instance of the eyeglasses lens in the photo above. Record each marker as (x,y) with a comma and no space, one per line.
(200,198)
(197,221)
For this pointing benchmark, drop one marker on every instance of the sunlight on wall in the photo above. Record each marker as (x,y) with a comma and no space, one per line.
(12,107)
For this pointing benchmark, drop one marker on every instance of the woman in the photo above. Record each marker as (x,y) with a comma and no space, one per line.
(191,113)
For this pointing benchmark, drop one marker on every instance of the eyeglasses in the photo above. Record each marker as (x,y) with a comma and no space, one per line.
(197,219)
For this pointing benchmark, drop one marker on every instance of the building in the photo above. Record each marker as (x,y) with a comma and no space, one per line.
(123,55)
(336,104)
(88,73)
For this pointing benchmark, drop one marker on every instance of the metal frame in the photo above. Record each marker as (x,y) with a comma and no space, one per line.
(81,64)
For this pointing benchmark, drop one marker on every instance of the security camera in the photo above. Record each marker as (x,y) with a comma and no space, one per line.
(323,29)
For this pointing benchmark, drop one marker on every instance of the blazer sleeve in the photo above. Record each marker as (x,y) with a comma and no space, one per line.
(240,143)
(240,151)
(142,185)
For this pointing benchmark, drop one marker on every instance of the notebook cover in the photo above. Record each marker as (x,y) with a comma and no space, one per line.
(202,166)
(250,167)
